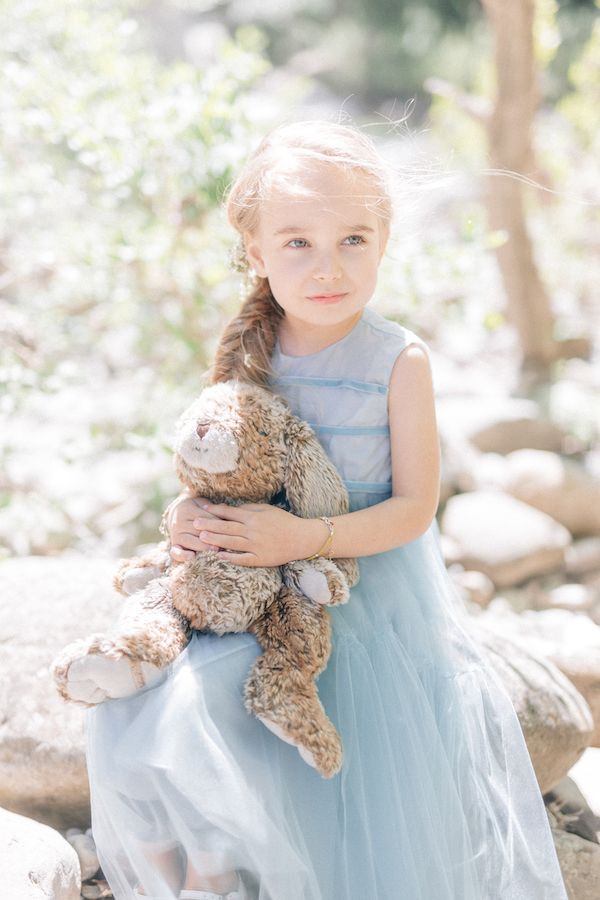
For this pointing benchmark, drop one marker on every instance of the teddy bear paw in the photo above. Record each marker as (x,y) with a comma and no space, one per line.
(87,676)
(327,759)
(314,585)
(136,579)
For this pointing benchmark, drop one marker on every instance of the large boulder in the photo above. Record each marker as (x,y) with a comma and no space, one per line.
(36,862)
(555,719)
(568,640)
(44,604)
(506,539)
(560,487)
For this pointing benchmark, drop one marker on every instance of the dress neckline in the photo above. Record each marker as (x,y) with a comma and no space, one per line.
(337,343)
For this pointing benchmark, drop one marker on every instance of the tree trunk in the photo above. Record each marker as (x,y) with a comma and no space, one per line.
(509,135)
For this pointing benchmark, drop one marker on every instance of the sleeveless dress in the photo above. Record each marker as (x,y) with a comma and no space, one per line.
(436,799)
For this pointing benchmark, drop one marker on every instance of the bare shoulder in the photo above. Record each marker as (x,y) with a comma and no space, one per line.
(412,372)
(414,439)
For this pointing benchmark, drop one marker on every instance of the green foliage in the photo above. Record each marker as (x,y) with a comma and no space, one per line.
(381,52)
(114,279)
(582,105)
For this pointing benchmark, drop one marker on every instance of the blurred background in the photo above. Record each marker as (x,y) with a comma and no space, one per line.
(123,124)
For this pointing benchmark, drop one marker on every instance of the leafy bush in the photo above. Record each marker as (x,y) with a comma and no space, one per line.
(114,269)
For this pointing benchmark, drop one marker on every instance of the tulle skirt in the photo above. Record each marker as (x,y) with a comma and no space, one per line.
(436,799)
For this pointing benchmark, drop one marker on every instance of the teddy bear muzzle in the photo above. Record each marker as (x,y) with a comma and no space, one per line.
(205,446)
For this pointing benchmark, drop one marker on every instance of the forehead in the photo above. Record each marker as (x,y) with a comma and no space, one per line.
(324,194)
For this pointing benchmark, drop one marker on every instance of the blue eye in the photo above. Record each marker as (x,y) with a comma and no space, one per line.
(355,239)
(295,241)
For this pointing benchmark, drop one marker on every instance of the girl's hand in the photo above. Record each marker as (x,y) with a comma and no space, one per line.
(256,534)
(184,537)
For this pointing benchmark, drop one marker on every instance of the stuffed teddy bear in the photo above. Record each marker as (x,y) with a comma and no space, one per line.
(237,443)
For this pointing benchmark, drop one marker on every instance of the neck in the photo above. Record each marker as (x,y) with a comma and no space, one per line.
(298,338)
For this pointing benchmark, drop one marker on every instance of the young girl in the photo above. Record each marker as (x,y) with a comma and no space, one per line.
(437,799)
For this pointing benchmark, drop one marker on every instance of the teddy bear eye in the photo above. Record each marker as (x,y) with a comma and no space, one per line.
(264,433)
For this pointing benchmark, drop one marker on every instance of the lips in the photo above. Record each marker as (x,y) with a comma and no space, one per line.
(326,298)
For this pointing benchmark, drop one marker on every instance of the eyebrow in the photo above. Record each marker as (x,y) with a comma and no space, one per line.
(294,229)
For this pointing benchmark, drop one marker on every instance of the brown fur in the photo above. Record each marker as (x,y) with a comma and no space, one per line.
(269,449)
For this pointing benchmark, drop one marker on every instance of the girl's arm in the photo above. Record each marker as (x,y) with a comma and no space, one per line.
(257,534)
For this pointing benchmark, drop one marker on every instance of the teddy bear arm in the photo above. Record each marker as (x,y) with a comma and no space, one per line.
(312,483)
(134,574)
(149,627)
(148,635)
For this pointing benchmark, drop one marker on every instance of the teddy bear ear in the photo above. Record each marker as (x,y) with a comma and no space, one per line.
(312,483)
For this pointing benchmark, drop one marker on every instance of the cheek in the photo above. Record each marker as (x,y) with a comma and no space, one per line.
(362,265)
(281,271)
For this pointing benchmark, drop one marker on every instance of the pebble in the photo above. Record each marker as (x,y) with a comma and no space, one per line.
(85,848)
(99,891)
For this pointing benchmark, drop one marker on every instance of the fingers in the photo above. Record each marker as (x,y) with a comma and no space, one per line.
(239,559)
(234,513)
(179,555)
(227,541)
(216,526)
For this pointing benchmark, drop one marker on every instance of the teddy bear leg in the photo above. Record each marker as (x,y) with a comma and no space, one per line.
(320,580)
(147,637)
(281,690)
(299,719)
(349,568)
(134,574)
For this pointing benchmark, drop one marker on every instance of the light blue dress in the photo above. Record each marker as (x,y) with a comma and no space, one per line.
(436,799)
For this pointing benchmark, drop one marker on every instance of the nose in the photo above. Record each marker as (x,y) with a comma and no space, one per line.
(328,267)
(201,429)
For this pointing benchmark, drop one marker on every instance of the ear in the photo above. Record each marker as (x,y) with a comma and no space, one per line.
(312,483)
(254,254)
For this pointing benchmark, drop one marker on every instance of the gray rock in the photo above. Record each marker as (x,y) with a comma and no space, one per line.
(504,538)
(36,862)
(555,719)
(559,487)
(579,862)
(44,604)
(85,848)
(567,801)
(500,424)
(583,556)
(568,640)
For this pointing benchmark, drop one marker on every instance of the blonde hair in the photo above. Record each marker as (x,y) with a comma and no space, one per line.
(247,344)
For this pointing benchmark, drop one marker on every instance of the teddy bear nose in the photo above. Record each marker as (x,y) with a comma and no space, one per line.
(201,429)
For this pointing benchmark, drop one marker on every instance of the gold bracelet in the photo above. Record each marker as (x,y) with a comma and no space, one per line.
(328,543)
